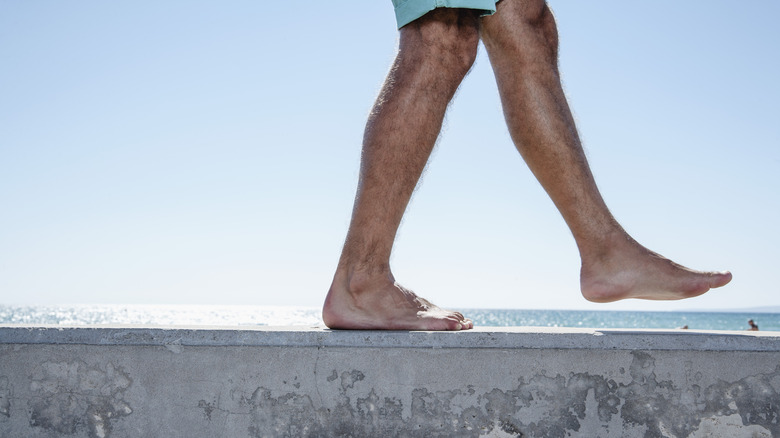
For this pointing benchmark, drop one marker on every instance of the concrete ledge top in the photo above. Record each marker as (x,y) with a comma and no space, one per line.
(482,337)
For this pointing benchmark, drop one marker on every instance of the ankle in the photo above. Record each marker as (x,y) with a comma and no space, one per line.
(351,291)
(605,247)
(360,279)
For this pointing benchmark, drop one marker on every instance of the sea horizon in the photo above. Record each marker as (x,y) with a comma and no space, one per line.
(242,315)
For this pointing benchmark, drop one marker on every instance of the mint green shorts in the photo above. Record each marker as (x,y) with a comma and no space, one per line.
(407,11)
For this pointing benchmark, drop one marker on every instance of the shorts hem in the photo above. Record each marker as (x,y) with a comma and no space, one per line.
(407,11)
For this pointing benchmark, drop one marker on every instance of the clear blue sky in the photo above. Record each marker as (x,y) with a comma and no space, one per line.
(207,152)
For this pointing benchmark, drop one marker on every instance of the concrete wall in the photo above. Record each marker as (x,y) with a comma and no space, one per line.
(297,382)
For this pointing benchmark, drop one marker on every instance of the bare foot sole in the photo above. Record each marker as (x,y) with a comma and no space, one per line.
(643,274)
(387,305)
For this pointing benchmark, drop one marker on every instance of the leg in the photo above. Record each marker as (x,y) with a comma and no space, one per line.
(436,51)
(522,43)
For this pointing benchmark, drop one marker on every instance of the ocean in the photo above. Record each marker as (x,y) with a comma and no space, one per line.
(163,315)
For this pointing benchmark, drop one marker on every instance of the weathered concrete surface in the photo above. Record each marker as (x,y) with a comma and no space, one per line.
(295,382)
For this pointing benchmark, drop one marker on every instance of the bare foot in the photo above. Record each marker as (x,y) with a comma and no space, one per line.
(629,270)
(379,303)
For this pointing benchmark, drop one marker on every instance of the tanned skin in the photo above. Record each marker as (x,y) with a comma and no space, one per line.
(436,52)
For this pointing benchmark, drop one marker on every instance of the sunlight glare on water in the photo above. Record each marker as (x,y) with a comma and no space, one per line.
(202,315)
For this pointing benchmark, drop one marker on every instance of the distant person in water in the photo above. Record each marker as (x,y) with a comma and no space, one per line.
(438,46)
(753,326)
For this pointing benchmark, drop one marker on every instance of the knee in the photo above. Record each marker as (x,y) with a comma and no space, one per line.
(452,44)
(445,40)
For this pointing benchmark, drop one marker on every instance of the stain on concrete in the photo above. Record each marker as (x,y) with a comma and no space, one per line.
(289,415)
(714,427)
(452,413)
(539,406)
(296,383)
(72,397)
(669,410)
(553,406)
(208,408)
(348,379)
(5,398)
(756,399)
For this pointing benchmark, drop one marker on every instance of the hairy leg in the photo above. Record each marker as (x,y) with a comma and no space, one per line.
(522,42)
(435,53)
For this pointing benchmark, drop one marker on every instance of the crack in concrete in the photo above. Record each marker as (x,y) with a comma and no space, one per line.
(316,381)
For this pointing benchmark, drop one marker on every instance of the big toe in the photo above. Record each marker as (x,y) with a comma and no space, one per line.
(721,279)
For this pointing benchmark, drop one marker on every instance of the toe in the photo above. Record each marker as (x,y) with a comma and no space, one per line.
(722,279)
